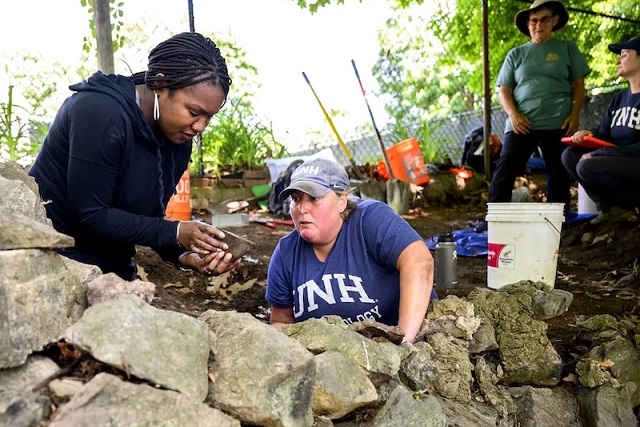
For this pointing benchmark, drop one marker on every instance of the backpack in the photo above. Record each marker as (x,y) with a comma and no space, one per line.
(277,207)
(473,150)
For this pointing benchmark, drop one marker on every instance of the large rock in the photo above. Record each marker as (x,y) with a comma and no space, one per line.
(21,232)
(549,407)
(110,286)
(164,347)
(18,382)
(13,171)
(452,315)
(39,299)
(106,400)
(607,406)
(451,357)
(492,391)
(330,333)
(625,367)
(470,414)
(402,409)
(334,397)
(260,375)
(527,354)
(19,198)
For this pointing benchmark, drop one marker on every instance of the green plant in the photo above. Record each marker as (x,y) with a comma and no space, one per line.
(20,137)
(237,140)
(427,144)
(31,93)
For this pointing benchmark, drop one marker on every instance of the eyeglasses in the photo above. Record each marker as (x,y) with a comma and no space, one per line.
(544,20)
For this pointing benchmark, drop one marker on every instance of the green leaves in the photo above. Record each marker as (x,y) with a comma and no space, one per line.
(20,138)
(313,6)
(431,58)
(117,25)
(238,139)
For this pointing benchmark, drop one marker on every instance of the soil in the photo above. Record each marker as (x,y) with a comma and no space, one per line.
(603,277)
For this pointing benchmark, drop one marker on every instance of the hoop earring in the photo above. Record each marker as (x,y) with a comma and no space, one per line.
(156,107)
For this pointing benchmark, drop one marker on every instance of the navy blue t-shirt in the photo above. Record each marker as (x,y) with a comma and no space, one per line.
(357,281)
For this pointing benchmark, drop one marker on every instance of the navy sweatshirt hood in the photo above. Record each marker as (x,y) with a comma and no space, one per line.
(123,90)
(108,177)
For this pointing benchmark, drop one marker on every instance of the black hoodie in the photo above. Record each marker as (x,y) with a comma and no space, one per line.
(105,177)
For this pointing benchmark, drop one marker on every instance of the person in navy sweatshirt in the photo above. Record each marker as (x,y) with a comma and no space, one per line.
(116,151)
(611,175)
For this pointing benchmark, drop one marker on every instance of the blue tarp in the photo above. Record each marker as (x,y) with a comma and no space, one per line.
(576,218)
(468,242)
(472,243)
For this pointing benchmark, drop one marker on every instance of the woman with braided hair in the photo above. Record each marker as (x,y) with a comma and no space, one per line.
(116,151)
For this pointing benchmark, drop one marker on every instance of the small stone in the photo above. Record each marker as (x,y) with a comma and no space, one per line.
(238,245)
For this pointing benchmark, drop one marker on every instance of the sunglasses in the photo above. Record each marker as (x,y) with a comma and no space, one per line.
(544,20)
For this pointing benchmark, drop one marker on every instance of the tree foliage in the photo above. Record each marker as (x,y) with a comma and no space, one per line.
(431,57)
(118,37)
(313,6)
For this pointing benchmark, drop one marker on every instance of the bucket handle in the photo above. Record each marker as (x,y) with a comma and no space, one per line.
(551,224)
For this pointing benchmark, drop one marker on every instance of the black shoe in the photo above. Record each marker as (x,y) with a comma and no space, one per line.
(480,227)
(615,214)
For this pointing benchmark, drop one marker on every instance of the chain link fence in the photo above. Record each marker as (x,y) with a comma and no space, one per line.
(448,133)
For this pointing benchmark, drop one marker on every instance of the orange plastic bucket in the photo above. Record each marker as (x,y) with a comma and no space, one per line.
(407,163)
(179,207)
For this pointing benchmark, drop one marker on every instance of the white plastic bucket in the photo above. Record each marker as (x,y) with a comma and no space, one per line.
(524,241)
(585,204)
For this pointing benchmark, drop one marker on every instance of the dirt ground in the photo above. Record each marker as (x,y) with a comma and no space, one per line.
(603,277)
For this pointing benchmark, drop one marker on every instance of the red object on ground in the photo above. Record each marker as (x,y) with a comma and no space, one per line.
(381,170)
(462,172)
(588,142)
(270,222)
(288,222)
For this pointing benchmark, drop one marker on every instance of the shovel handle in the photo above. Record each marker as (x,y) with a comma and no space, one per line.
(356,169)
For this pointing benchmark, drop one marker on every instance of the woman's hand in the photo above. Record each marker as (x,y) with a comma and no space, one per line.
(520,123)
(201,238)
(579,136)
(210,265)
(571,124)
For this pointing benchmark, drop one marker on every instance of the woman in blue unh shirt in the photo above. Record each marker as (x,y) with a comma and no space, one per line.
(357,259)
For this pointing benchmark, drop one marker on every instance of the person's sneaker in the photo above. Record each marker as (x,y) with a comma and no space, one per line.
(600,219)
(617,214)
(481,226)
(621,214)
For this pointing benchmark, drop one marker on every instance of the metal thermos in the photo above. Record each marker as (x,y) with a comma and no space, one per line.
(446,262)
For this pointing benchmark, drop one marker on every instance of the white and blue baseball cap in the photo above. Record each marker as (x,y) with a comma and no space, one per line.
(316,177)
